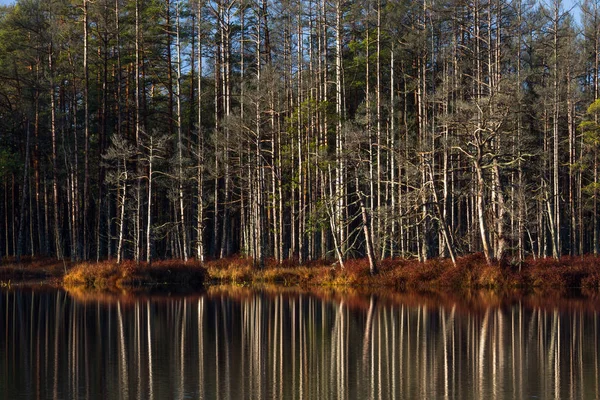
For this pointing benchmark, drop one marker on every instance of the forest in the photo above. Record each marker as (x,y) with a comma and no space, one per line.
(299,129)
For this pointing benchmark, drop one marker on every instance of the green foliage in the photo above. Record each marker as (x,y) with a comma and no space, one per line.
(594,108)
(318,218)
(591,189)
(308,108)
(589,128)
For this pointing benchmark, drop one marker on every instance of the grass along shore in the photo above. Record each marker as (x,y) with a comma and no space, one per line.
(471,272)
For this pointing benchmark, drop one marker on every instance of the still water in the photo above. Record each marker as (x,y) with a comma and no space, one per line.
(235,344)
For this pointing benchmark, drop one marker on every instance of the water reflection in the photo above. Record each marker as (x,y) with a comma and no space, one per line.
(292,346)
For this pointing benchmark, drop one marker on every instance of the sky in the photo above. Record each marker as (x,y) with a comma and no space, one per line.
(567,4)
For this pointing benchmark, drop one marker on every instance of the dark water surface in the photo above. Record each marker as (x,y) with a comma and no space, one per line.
(282,345)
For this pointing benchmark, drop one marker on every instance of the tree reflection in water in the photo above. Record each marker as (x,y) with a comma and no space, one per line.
(291,345)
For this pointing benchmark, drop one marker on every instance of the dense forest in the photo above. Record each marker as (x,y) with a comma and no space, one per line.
(304,129)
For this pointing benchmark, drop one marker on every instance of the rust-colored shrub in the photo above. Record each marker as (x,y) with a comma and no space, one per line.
(471,271)
(591,281)
(489,276)
(111,275)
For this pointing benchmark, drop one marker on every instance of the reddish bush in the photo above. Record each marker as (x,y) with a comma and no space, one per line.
(127,274)
(471,271)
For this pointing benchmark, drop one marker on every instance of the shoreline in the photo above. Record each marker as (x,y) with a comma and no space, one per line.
(471,272)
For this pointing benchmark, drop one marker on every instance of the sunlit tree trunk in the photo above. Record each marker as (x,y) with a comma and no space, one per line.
(555,215)
(179,136)
(520,203)
(200,145)
(340,176)
(481,208)
(149,210)
(72,160)
(572,156)
(56,226)
(121,198)
(138,128)
(365,227)
(86,127)
(225,51)
(379,237)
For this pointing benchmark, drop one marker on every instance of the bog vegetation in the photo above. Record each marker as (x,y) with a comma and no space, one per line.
(299,130)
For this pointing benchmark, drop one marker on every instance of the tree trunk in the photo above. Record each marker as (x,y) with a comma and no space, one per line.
(138,128)
(200,148)
(122,196)
(56,226)
(180,138)
(481,212)
(21,236)
(365,226)
(556,243)
(86,114)
(149,211)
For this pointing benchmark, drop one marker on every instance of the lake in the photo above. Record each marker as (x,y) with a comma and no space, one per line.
(234,343)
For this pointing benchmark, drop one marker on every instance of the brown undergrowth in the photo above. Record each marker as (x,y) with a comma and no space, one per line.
(31,269)
(108,275)
(471,272)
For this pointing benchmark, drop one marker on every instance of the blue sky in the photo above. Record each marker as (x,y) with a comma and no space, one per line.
(567,4)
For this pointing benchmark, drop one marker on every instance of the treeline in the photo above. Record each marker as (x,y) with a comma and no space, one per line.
(305,129)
